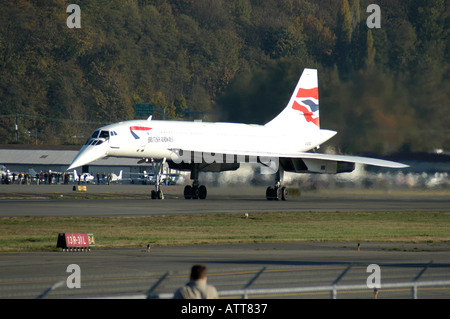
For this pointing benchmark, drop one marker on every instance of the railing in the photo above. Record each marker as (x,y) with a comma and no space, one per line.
(271,292)
(332,289)
(246,292)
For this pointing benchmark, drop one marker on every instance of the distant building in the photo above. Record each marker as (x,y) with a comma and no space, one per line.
(21,158)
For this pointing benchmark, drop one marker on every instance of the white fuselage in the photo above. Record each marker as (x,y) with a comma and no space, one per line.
(159,139)
(166,136)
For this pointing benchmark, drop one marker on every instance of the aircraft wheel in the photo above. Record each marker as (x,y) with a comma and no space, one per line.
(269,193)
(284,193)
(195,192)
(154,194)
(159,194)
(187,192)
(278,193)
(202,192)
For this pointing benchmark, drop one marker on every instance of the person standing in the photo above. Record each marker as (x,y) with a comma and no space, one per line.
(197,287)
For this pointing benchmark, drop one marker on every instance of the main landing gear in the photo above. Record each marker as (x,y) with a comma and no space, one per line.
(196,191)
(277,192)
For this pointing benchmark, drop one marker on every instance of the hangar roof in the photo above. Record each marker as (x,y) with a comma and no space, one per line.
(54,157)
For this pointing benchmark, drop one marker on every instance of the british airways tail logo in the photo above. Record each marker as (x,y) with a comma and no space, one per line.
(307,102)
(138,128)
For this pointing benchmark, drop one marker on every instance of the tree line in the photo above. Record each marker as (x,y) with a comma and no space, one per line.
(383,89)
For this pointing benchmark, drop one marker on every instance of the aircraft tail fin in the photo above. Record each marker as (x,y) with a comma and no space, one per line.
(302,111)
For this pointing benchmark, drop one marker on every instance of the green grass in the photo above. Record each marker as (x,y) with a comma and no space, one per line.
(40,233)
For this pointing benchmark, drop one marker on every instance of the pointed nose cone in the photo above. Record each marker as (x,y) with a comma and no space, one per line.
(88,154)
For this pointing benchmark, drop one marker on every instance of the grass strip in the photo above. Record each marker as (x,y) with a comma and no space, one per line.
(40,233)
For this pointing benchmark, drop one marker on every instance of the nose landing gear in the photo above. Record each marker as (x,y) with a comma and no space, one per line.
(157,193)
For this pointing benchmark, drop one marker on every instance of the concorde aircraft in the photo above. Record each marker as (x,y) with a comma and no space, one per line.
(286,143)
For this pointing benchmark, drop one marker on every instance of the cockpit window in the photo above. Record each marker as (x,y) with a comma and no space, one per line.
(96,137)
(95,134)
(104,134)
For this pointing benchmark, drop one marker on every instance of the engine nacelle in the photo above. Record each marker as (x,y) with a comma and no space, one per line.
(316,166)
(328,167)
(205,167)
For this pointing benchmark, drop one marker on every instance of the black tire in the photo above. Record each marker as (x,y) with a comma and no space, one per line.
(195,193)
(269,193)
(187,192)
(202,192)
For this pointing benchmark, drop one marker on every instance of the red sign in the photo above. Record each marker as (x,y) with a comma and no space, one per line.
(77,240)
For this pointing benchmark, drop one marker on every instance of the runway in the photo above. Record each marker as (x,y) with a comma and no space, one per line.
(134,200)
(134,271)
